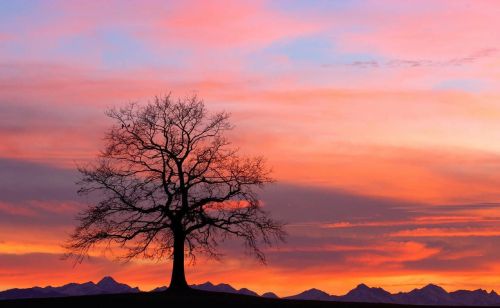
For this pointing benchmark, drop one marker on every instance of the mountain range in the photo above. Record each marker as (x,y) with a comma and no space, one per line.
(222,287)
(107,285)
(428,295)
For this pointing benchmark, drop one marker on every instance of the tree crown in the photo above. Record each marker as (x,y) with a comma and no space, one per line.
(168,171)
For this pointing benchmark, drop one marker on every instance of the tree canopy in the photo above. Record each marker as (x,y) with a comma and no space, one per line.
(168,183)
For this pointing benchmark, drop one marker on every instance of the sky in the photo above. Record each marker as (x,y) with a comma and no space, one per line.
(380,119)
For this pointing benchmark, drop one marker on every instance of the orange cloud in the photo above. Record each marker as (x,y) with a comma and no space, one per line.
(396,252)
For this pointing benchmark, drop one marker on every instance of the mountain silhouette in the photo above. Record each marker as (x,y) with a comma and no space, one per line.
(363,293)
(107,285)
(222,287)
(312,294)
(208,286)
(428,295)
(477,297)
(431,294)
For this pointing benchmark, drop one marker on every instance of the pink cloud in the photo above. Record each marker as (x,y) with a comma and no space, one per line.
(418,32)
(334,126)
(226,24)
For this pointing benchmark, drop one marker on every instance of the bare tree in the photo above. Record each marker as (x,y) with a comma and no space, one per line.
(169,184)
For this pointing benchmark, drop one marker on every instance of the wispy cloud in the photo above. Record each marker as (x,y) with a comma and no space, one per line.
(419,63)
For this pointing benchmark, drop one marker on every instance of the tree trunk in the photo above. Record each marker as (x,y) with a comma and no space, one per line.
(178,280)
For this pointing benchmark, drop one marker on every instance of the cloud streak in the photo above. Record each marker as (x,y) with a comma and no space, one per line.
(453,62)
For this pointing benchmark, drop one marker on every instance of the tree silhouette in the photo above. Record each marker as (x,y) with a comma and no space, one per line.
(169,184)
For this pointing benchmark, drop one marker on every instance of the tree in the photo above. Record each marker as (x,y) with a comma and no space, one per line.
(168,184)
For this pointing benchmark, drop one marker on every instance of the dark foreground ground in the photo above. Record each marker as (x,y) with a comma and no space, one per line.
(194,298)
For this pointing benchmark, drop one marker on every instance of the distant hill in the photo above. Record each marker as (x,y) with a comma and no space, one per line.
(428,295)
(269,295)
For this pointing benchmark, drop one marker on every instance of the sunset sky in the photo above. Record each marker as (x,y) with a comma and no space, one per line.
(380,119)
